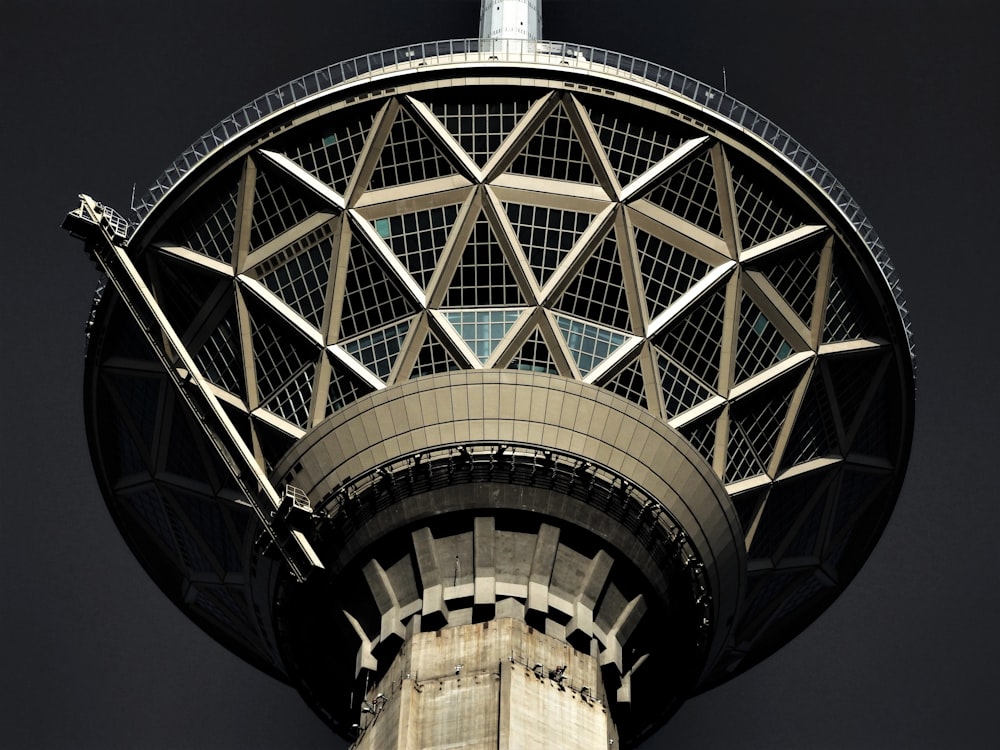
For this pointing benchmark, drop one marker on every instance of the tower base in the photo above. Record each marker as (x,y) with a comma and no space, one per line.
(499,684)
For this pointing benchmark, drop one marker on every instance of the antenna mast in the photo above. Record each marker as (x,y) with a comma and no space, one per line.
(511,19)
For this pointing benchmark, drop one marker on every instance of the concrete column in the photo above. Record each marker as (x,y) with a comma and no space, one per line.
(498,685)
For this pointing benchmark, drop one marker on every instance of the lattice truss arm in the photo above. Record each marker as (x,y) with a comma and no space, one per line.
(549,232)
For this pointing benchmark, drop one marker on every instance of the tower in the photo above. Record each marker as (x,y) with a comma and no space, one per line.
(528,345)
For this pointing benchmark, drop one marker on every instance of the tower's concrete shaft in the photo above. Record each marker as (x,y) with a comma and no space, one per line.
(511,19)
(499,684)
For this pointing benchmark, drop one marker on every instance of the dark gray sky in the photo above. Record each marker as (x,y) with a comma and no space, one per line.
(897,97)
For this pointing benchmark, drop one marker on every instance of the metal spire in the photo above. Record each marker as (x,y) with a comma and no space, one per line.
(511,19)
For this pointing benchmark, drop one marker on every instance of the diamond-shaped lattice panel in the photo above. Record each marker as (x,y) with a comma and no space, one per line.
(482,329)
(754,424)
(279,351)
(630,384)
(331,152)
(701,435)
(690,193)
(408,155)
(373,297)
(681,390)
(598,291)
(554,152)
(379,349)
(694,341)
(433,358)
(279,204)
(794,275)
(345,387)
(534,356)
(759,345)
(301,281)
(418,238)
(588,344)
(667,272)
(480,126)
(546,234)
(483,277)
(291,401)
(207,223)
(765,207)
(631,140)
(814,433)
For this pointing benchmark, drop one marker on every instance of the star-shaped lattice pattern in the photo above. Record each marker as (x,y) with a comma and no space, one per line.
(400,241)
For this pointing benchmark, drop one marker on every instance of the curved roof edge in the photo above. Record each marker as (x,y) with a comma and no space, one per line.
(580,57)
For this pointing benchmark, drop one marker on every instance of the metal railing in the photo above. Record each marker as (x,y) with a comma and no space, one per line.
(453,52)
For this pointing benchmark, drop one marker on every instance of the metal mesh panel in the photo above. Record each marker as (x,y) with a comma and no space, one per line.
(207,517)
(794,275)
(220,358)
(681,390)
(301,281)
(408,156)
(534,356)
(148,505)
(433,358)
(332,154)
(273,443)
(193,554)
(785,505)
(184,455)
(872,438)
(754,424)
(234,600)
(759,345)
(802,594)
(701,435)
(851,377)
(630,384)
(767,593)
(588,344)
(480,126)
(690,193)
(207,224)
(373,298)
(555,152)
(741,459)
(667,272)
(746,504)
(694,341)
(277,207)
(814,433)
(632,145)
(418,238)
(130,461)
(378,350)
(279,353)
(483,276)
(857,490)
(546,234)
(482,330)
(213,610)
(140,398)
(765,208)
(182,291)
(345,387)
(846,314)
(291,400)
(598,292)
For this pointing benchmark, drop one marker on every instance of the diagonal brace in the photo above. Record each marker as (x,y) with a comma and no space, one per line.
(104,238)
